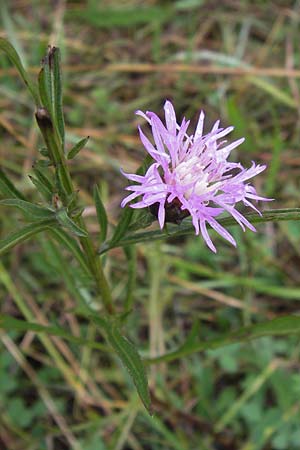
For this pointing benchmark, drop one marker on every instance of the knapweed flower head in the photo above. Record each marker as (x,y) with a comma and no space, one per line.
(191,174)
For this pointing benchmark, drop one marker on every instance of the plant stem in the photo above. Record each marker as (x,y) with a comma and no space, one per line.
(57,156)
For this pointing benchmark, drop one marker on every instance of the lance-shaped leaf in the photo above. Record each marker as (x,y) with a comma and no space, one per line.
(101,214)
(76,149)
(23,234)
(15,59)
(50,89)
(30,210)
(128,355)
(10,323)
(70,243)
(122,226)
(42,182)
(67,222)
(7,189)
(280,326)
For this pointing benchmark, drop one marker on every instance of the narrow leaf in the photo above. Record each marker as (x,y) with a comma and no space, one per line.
(10,51)
(46,194)
(280,326)
(70,243)
(10,323)
(76,149)
(43,176)
(44,83)
(67,222)
(23,234)
(101,214)
(132,361)
(7,189)
(122,226)
(30,210)
(128,355)
(50,90)
(54,60)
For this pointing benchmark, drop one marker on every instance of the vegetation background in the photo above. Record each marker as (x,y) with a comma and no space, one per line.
(238,60)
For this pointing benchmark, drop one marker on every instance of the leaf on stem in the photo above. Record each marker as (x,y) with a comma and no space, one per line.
(50,89)
(10,323)
(10,51)
(128,355)
(30,211)
(23,234)
(122,226)
(70,243)
(7,189)
(67,222)
(76,149)
(280,326)
(101,214)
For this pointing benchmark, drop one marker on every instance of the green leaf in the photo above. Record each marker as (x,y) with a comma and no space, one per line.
(43,190)
(132,361)
(67,222)
(45,89)
(57,94)
(111,17)
(43,182)
(10,323)
(10,51)
(280,326)
(25,233)
(101,214)
(76,149)
(30,210)
(70,243)
(50,89)
(122,226)
(186,227)
(129,357)
(130,253)
(275,91)
(7,189)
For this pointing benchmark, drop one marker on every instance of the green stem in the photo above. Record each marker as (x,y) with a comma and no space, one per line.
(96,268)
(57,156)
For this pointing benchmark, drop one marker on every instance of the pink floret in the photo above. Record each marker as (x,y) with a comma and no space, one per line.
(193,172)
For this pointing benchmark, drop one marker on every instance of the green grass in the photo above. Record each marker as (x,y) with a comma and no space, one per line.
(119,57)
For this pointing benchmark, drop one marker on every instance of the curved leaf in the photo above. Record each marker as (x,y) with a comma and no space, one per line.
(128,355)
(280,326)
(67,222)
(7,189)
(30,210)
(101,214)
(10,51)
(25,233)
(76,149)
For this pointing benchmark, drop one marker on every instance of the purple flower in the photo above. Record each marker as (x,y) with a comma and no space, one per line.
(191,175)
